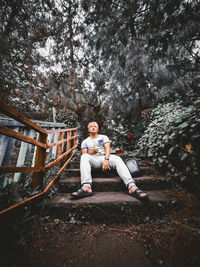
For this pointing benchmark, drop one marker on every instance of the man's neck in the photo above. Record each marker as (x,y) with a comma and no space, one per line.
(94,135)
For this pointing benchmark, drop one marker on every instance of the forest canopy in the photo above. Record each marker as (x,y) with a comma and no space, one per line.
(105,59)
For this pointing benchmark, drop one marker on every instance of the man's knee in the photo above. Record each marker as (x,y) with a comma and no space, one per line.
(117,160)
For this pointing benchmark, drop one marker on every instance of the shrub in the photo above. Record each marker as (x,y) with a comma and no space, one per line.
(172,140)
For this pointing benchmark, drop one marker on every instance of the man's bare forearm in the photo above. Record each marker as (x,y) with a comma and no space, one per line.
(107,150)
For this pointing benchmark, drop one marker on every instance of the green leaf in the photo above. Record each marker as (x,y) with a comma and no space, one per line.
(183,125)
(189,109)
(195,136)
(165,137)
(178,120)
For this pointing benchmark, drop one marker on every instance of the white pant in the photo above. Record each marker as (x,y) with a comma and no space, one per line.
(96,161)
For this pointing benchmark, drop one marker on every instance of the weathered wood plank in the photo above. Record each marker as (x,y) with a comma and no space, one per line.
(60,130)
(32,134)
(6,131)
(12,169)
(9,145)
(69,143)
(39,162)
(23,153)
(54,150)
(3,145)
(11,112)
(9,122)
(60,147)
(50,139)
(9,148)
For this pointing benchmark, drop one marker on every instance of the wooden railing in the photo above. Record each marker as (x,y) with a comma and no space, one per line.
(41,148)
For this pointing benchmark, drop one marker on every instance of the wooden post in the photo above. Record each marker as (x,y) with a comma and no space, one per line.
(74,140)
(59,150)
(39,162)
(69,133)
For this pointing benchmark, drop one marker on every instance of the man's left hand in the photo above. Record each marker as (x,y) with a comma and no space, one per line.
(106,166)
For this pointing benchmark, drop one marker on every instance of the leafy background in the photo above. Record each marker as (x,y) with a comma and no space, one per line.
(171,140)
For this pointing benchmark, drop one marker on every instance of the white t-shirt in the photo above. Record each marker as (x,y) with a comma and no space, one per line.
(97,142)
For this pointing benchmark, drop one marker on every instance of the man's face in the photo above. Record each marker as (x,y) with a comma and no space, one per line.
(93,127)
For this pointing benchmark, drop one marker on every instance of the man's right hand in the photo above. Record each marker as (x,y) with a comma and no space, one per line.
(94,151)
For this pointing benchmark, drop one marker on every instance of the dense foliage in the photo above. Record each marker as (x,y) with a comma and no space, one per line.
(148,52)
(104,59)
(23,29)
(41,55)
(172,139)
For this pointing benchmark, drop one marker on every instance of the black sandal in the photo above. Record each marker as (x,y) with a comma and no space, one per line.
(138,194)
(81,193)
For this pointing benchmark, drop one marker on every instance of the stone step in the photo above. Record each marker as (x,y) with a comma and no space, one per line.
(145,163)
(71,184)
(108,207)
(75,172)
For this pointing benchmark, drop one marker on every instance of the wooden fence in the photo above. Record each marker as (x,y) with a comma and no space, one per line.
(33,146)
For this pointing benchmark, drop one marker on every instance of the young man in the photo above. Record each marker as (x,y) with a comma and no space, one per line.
(96,154)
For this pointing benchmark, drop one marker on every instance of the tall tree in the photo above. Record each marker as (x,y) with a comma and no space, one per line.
(148,49)
(41,53)
(25,26)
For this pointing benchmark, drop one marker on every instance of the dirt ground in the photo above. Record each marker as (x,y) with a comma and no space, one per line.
(44,241)
(30,239)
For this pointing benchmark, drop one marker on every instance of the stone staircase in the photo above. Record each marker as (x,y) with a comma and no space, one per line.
(111,202)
